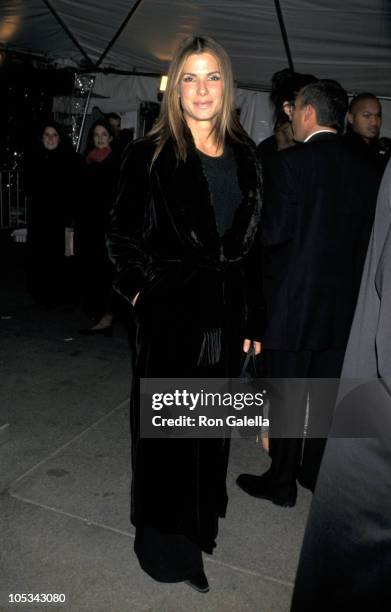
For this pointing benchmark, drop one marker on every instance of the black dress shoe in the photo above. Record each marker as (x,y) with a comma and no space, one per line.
(263,487)
(199,583)
(102,331)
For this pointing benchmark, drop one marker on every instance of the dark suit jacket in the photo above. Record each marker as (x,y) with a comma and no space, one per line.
(316,224)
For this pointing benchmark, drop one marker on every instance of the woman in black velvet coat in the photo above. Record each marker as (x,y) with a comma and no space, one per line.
(183,241)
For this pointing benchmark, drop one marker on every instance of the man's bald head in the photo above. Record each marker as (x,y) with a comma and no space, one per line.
(365,116)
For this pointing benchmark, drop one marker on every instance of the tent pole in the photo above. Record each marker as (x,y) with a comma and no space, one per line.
(66,30)
(284,34)
(119,32)
(85,115)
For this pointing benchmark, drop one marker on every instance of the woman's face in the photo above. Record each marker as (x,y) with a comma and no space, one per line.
(201,89)
(50,138)
(101,137)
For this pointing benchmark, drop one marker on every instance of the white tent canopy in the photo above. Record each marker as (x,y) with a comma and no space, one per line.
(348,41)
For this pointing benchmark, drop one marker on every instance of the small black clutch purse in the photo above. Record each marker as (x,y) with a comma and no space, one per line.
(252,366)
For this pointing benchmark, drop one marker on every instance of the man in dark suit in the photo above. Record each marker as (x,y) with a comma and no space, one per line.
(316,225)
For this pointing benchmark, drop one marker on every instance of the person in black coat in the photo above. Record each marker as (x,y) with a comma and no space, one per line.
(284,88)
(345,562)
(99,180)
(48,176)
(182,239)
(315,225)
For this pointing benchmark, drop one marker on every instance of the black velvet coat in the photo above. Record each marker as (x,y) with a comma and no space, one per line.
(195,287)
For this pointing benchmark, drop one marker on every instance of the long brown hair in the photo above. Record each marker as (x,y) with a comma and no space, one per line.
(171,122)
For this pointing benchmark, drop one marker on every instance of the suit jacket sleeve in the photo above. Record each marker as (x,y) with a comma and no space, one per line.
(129,222)
(280,207)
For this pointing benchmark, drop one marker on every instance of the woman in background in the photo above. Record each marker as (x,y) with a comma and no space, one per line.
(284,88)
(100,175)
(182,239)
(49,171)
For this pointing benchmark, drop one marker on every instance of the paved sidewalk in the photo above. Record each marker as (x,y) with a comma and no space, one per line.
(64,482)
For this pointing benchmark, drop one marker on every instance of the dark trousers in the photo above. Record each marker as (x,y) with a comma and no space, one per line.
(292,456)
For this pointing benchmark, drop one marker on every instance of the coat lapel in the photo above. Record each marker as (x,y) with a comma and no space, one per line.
(186,192)
(186,189)
(238,240)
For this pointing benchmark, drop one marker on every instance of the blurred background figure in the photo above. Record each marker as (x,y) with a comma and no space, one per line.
(100,174)
(363,130)
(50,168)
(285,87)
(121,137)
(114,120)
